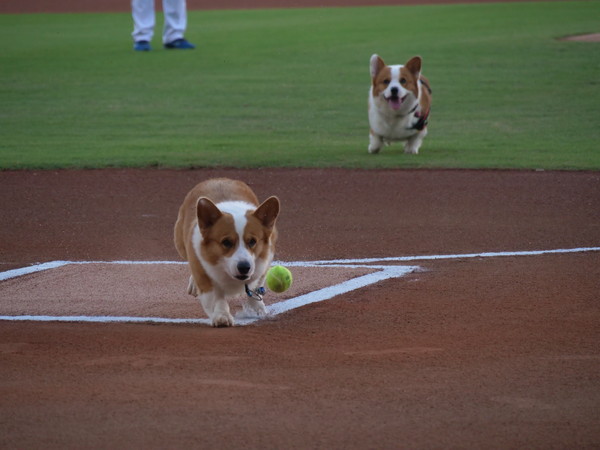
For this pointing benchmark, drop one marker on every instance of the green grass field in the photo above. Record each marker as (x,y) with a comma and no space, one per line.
(288,88)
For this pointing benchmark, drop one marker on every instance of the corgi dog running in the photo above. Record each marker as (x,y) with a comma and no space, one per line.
(228,240)
(399,104)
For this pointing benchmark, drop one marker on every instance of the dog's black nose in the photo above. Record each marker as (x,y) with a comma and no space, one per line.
(394,92)
(243,267)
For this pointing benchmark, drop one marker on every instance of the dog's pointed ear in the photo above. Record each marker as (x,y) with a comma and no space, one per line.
(207,212)
(414,65)
(267,212)
(376,65)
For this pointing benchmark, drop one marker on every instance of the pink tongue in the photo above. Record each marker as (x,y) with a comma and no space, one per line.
(395,103)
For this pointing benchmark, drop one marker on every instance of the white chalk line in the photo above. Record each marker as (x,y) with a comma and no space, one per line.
(54,264)
(102,319)
(384,272)
(459,256)
(341,288)
(31,269)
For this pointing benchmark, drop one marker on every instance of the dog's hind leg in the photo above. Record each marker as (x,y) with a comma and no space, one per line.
(192,289)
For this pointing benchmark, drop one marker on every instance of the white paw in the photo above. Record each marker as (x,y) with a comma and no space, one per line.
(412,148)
(222,320)
(374,148)
(375,143)
(255,308)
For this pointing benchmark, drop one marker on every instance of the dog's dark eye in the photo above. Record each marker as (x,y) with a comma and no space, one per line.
(402,81)
(227,243)
(386,81)
(251,243)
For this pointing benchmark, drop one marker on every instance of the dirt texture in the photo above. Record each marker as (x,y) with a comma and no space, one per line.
(592,37)
(470,353)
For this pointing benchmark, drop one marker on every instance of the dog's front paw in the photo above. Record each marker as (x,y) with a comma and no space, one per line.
(375,143)
(255,308)
(374,149)
(222,320)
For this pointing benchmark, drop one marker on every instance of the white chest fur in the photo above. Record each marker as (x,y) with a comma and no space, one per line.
(387,124)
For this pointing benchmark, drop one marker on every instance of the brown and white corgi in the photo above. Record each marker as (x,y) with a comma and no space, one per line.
(399,104)
(228,240)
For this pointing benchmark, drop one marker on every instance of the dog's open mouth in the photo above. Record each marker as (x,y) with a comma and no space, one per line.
(395,101)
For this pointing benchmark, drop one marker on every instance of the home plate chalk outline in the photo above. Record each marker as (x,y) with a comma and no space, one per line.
(384,272)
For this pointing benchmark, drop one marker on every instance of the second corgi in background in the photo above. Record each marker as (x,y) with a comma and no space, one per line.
(399,104)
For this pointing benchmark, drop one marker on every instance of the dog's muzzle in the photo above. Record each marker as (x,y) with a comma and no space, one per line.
(243,269)
(394,100)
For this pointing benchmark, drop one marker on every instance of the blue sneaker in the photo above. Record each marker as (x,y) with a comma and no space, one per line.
(180,44)
(142,46)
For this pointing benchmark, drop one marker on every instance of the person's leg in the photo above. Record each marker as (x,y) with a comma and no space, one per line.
(143,15)
(175,20)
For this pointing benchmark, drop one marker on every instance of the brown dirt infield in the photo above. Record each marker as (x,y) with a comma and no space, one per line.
(471,353)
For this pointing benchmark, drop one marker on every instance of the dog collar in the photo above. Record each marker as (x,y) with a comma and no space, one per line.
(257,293)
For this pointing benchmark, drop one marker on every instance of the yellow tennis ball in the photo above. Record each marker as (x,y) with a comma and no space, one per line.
(279,279)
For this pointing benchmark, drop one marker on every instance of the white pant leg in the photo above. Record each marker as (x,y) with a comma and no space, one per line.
(143,19)
(175,20)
